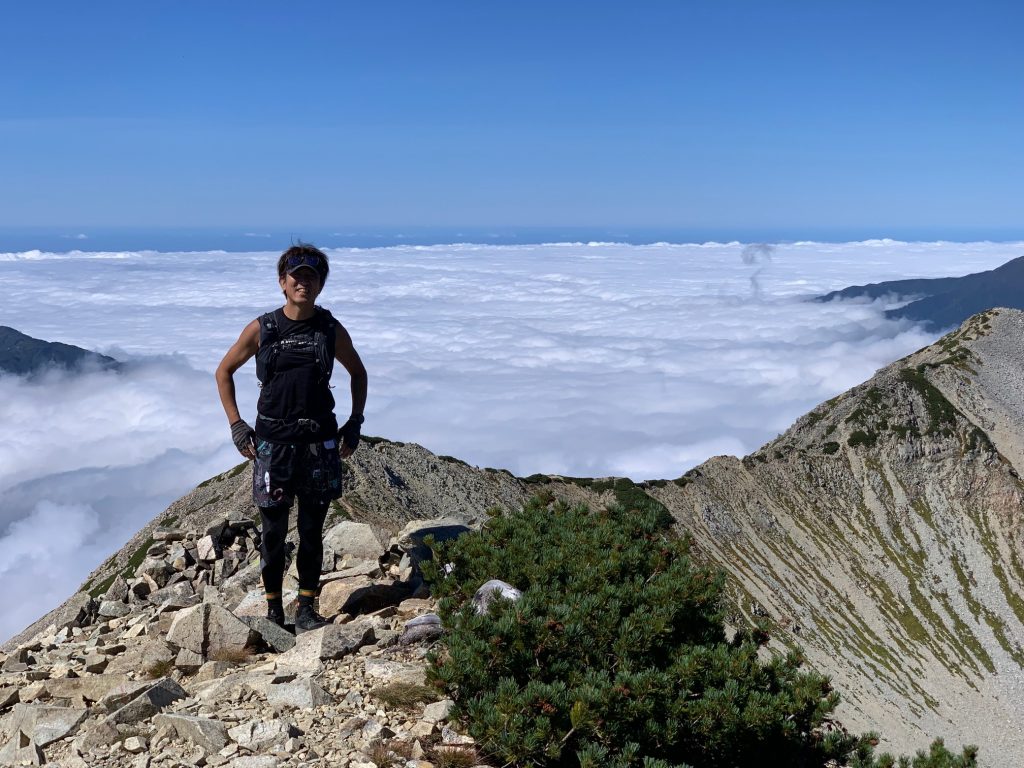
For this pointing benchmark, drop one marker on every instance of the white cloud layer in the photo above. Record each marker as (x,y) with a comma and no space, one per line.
(583,359)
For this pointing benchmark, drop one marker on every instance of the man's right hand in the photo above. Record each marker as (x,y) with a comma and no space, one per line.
(244,438)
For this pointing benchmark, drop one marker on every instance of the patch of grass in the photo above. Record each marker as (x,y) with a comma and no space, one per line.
(453,460)
(453,755)
(535,479)
(159,669)
(232,655)
(136,559)
(102,587)
(403,694)
(941,413)
(337,512)
(380,754)
(829,448)
(169,521)
(860,437)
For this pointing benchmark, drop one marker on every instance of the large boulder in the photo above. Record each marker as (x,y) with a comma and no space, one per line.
(360,595)
(209,734)
(331,642)
(210,630)
(154,699)
(356,540)
(21,749)
(303,693)
(261,735)
(44,724)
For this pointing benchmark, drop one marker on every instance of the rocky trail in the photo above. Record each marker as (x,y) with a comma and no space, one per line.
(177,666)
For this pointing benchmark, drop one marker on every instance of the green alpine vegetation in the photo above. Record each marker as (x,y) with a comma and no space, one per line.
(617,654)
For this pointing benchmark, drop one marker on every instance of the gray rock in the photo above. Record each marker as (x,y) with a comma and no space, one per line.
(168,534)
(259,735)
(277,638)
(135,745)
(206,550)
(8,696)
(44,724)
(357,540)
(156,569)
(118,590)
(211,670)
(143,655)
(21,750)
(369,568)
(422,629)
(121,694)
(300,694)
(360,597)
(173,593)
(410,538)
(331,642)
(255,761)
(157,697)
(85,691)
(211,735)
(491,590)
(113,609)
(96,663)
(188,661)
(394,671)
(438,711)
(210,629)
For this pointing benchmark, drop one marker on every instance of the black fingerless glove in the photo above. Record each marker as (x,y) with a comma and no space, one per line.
(243,436)
(349,432)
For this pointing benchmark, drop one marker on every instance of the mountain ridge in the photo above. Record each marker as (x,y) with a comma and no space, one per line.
(24,355)
(943,302)
(882,533)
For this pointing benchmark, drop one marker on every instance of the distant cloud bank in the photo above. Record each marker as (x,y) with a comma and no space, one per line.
(582,359)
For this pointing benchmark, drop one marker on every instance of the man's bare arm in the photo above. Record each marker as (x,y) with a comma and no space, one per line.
(239,354)
(346,354)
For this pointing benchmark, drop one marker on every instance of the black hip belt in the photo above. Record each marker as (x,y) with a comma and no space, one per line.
(311,424)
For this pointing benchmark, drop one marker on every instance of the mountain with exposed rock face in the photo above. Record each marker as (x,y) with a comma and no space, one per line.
(882,533)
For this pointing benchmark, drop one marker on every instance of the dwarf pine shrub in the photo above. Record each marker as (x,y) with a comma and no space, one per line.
(616,656)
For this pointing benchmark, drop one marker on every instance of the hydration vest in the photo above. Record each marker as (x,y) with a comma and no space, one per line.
(271,344)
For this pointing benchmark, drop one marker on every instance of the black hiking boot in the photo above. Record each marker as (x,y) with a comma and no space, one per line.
(276,616)
(306,619)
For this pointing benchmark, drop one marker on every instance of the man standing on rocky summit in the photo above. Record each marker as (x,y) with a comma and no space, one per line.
(295,443)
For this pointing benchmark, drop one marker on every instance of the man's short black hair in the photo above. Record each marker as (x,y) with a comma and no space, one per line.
(305,249)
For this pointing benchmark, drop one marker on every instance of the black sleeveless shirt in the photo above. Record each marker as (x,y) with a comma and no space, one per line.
(296,404)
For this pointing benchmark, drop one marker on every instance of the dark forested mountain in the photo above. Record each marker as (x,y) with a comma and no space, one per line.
(23,354)
(945,302)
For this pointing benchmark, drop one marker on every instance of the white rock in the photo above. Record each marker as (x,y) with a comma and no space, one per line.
(488,591)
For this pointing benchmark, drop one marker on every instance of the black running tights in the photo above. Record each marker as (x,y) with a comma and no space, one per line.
(311,516)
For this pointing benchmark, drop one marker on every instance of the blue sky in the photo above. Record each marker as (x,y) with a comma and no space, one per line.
(797,118)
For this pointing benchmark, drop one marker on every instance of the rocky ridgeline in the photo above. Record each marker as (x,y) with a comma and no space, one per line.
(882,533)
(178,666)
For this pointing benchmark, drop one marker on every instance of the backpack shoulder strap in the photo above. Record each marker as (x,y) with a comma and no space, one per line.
(268,328)
(324,339)
(266,355)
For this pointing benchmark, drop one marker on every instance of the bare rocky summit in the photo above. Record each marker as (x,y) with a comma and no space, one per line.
(882,533)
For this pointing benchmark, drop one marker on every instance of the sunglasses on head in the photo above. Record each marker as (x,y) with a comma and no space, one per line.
(305,260)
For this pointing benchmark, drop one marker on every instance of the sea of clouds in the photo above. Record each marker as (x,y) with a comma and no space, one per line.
(582,359)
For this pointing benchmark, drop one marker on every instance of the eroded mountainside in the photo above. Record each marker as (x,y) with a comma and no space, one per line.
(882,533)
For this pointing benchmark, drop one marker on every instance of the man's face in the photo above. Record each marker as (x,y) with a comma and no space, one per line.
(301,286)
